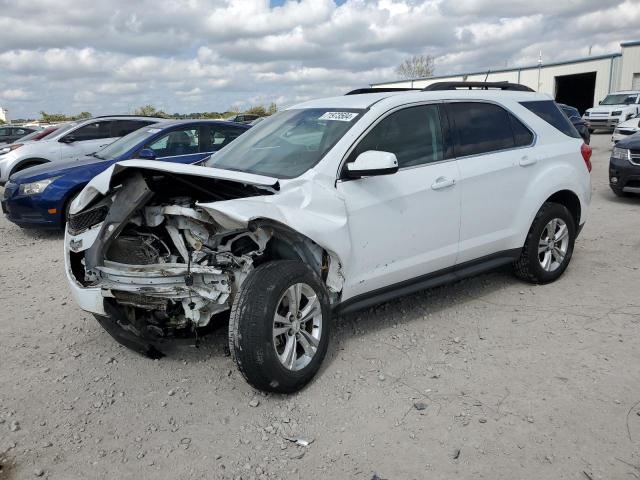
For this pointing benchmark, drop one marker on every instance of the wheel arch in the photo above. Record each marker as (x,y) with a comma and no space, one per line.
(288,244)
(26,163)
(570,200)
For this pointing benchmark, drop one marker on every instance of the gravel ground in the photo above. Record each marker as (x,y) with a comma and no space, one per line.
(487,378)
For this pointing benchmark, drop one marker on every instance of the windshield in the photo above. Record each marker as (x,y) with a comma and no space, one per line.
(286,144)
(619,99)
(123,145)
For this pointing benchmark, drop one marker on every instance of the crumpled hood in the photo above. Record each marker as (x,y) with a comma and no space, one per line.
(101,183)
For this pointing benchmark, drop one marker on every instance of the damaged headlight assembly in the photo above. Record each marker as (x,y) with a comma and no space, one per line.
(36,188)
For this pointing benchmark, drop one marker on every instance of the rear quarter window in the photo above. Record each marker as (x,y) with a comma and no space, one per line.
(549,111)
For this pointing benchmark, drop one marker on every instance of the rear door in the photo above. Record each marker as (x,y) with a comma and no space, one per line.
(180,145)
(496,162)
(219,136)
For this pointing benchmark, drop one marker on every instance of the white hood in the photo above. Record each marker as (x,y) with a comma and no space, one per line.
(100,184)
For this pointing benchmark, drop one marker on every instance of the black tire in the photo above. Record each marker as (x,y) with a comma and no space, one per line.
(527,266)
(251,326)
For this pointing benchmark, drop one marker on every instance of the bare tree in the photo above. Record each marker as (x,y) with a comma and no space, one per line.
(418,66)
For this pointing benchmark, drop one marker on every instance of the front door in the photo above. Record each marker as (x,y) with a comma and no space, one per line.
(406,224)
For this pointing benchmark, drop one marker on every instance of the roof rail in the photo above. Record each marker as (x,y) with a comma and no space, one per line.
(125,115)
(478,85)
(359,91)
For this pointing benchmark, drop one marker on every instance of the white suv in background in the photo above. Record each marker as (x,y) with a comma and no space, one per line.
(327,207)
(69,142)
(617,107)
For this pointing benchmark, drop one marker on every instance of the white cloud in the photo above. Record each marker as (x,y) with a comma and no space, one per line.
(204,55)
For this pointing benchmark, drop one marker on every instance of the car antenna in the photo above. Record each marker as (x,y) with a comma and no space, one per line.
(487,75)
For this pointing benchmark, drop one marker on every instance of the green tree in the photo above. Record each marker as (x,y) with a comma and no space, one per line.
(83,115)
(257,110)
(146,111)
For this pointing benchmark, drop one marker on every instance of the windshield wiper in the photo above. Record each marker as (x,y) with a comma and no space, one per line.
(94,154)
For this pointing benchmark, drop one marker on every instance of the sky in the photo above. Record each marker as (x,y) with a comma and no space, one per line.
(108,57)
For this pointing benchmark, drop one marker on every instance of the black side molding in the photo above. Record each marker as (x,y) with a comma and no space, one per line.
(430,280)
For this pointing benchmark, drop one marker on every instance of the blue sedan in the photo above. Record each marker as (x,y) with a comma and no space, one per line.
(39,197)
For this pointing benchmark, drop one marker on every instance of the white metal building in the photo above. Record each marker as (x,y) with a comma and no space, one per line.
(581,83)
(3,114)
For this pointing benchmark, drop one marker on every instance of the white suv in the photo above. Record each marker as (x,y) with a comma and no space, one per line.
(327,207)
(69,142)
(617,107)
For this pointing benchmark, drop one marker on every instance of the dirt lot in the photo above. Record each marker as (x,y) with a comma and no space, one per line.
(488,378)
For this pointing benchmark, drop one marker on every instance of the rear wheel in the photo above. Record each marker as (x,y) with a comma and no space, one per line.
(549,245)
(279,326)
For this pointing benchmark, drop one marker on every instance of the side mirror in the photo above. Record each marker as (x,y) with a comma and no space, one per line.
(147,154)
(68,139)
(371,163)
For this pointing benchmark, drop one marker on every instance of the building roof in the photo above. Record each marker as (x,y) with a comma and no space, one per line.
(504,70)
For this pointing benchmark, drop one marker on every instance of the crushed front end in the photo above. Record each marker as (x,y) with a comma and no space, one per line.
(151,264)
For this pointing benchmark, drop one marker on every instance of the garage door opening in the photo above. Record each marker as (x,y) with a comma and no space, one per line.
(576,90)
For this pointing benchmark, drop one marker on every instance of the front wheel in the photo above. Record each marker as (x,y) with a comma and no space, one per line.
(279,326)
(549,245)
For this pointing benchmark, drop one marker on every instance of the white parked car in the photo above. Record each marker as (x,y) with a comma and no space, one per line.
(324,208)
(69,142)
(624,129)
(616,108)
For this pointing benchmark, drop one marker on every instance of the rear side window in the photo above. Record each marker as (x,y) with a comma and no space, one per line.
(483,127)
(221,135)
(550,113)
(413,134)
(521,134)
(125,127)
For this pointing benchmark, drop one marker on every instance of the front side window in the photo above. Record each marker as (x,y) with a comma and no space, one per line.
(481,128)
(125,127)
(185,141)
(5,132)
(413,134)
(93,131)
(288,143)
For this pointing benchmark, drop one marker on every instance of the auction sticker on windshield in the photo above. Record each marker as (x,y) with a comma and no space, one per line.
(339,116)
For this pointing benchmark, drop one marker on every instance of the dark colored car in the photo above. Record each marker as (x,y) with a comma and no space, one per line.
(11,133)
(39,197)
(624,166)
(581,125)
(243,118)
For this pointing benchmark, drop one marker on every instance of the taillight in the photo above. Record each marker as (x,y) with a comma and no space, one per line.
(586,152)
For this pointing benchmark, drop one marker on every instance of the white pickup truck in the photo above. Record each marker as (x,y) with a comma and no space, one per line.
(617,107)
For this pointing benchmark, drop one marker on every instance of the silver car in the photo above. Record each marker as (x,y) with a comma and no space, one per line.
(71,141)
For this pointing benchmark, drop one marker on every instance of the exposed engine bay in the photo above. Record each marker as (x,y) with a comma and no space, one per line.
(164,263)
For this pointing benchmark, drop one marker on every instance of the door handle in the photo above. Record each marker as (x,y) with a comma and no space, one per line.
(526,161)
(442,182)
